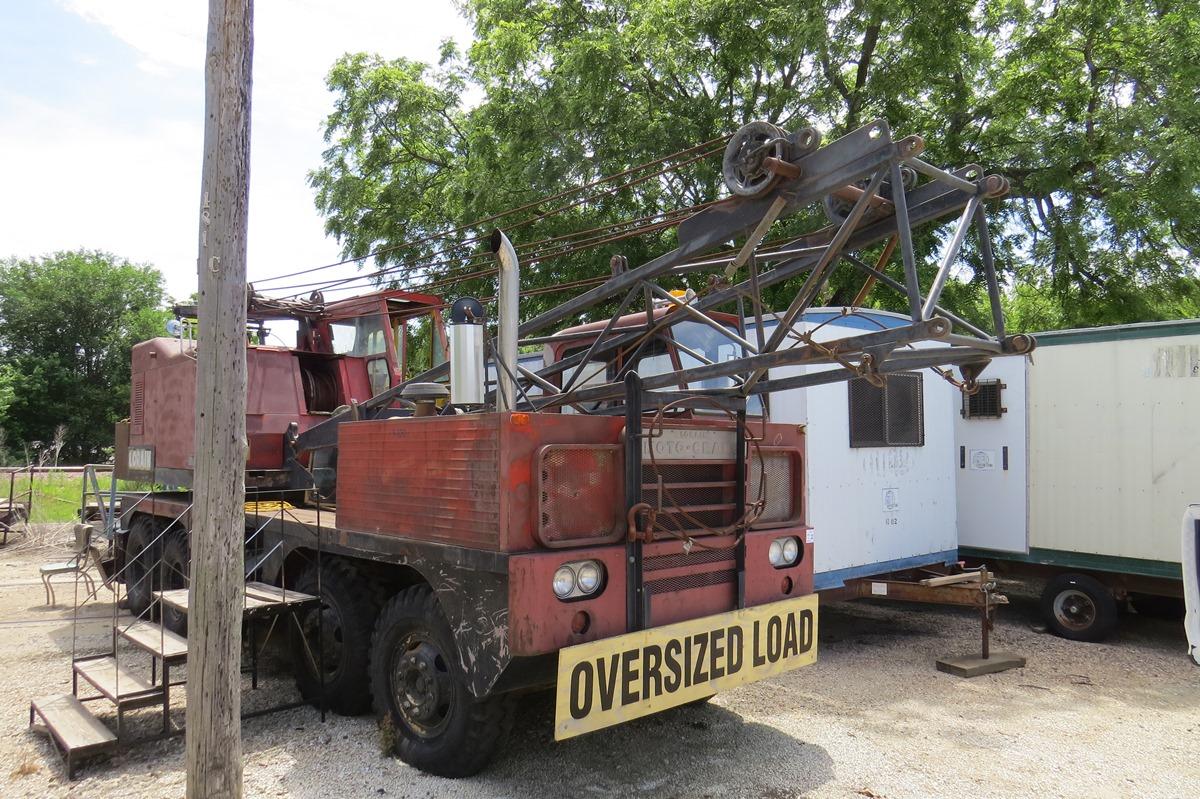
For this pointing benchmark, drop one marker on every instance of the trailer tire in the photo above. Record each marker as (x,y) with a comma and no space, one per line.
(176,558)
(1079,608)
(1167,608)
(421,691)
(348,611)
(141,559)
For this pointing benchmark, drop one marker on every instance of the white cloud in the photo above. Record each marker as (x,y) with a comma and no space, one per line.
(131,184)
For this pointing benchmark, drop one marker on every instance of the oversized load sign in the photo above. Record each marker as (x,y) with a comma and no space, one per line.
(615,680)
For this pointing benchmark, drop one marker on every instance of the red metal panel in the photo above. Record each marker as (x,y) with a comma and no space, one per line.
(522,435)
(540,622)
(431,479)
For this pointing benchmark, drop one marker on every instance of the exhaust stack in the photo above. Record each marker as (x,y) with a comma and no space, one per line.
(509,300)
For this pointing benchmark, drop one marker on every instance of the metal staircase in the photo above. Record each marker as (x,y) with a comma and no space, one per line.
(113,679)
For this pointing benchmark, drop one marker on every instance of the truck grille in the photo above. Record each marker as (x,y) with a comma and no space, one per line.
(704,491)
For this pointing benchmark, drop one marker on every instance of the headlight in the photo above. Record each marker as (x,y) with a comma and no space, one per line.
(578,579)
(564,582)
(588,578)
(775,553)
(784,552)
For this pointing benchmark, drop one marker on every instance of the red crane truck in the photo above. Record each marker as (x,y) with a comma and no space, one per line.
(636,535)
(639,563)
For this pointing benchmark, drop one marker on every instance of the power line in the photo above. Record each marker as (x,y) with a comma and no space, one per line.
(525,207)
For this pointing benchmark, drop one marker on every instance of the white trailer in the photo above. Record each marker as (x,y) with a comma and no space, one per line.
(880,484)
(1077,463)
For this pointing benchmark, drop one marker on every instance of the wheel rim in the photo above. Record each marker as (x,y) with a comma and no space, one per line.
(332,639)
(1074,609)
(422,687)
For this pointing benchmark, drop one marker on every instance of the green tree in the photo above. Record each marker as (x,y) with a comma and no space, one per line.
(1089,106)
(67,324)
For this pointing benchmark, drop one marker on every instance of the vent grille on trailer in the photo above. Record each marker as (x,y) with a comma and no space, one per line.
(892,416)
(986,403)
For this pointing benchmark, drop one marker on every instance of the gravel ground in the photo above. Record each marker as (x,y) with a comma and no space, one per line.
(872,718)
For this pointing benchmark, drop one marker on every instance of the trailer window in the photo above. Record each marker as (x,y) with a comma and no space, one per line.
(986,402)
(892,416)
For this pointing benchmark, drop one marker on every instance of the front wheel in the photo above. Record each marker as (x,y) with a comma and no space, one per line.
(1079,607)
(421,691)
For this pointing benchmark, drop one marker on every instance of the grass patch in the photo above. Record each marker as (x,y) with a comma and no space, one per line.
(56,497)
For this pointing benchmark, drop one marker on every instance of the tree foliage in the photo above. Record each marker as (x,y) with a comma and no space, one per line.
(1088,106)
(67,324)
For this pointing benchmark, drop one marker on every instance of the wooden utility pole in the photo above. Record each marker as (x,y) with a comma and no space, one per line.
(214,685)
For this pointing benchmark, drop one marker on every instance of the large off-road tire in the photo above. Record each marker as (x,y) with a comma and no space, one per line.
(176,562)
(1079,607)
(421,692)
(347,616)
(141,563)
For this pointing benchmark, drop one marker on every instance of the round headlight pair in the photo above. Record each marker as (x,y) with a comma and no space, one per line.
(579,578)
(783,552)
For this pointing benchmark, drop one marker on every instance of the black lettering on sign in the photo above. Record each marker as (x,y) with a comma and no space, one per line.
(791,646)
(757,656)
(672,651)
(651,670)
(734,662)
(629,677)
(699,674)
(774,638)
(607,680)
(806,630)
(687,662)
(581,690)
(715,669)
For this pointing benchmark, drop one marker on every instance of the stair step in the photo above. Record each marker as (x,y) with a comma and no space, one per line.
(76,731)
(155,639)
(260,599)
(273,594)
(117,683)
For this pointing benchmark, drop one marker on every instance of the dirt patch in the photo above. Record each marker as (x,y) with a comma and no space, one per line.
(873,718)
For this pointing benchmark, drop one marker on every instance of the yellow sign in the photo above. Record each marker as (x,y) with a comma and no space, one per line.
(619,679)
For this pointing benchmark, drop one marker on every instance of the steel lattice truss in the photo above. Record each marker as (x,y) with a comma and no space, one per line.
(774,175)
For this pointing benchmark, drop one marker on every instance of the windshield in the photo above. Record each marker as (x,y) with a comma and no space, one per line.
(363,335)
(695,339)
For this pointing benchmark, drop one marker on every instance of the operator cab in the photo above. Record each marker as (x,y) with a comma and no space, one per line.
(671,349)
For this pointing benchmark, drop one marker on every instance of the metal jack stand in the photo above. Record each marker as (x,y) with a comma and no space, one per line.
(976,588)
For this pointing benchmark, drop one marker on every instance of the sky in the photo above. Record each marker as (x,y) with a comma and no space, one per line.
(102,113)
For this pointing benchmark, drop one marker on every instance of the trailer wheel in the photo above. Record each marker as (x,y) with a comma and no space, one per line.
(1168,608)
(1079,607)
(348,610)
(420,689)
(176,557)
(141,562)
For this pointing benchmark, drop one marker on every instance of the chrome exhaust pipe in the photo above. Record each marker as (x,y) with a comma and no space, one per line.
(509,303)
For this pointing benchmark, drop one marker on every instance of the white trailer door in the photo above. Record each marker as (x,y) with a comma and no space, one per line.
(990,456)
